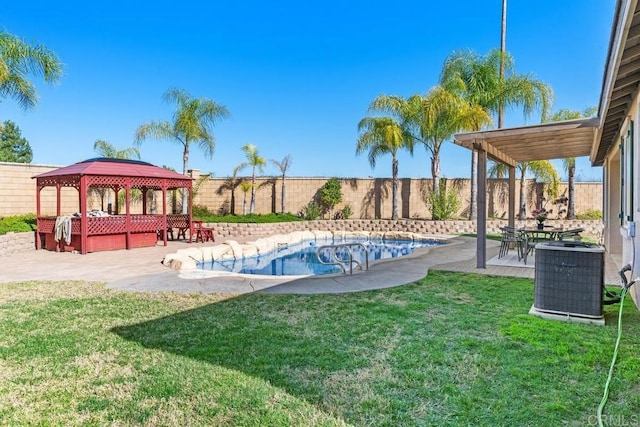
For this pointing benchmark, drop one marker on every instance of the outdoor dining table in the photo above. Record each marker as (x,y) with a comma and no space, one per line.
(533,236)
(547,233)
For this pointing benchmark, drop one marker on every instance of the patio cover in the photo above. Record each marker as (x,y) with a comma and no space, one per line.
(556,140)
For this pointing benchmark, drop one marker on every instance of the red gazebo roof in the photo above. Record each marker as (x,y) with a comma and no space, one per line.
(103,166)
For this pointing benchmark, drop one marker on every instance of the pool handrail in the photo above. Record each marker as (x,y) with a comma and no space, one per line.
(341,262)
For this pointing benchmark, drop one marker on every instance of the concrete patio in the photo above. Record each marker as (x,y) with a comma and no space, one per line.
(140,270)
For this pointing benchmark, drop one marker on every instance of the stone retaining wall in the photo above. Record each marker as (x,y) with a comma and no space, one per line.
(17,242)
(20,242)
(592,228)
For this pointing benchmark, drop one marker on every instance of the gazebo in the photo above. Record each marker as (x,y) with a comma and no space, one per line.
(88,233)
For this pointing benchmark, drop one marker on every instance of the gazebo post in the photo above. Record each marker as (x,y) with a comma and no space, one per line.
(190,211)
(38,241)
(58,199)
(144,200)
(481,225)
(127,215)
(84,226)
(116,190)
(164,210)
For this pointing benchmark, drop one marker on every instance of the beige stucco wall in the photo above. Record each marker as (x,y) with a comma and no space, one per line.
(368,198)
(619,239)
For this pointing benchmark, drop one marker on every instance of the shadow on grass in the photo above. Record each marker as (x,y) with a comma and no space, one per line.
(438,352)
(273,337)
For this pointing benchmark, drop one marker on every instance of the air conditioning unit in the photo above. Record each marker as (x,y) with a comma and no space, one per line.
(569,279)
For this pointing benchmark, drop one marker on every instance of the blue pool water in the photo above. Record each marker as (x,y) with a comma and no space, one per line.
(302,258)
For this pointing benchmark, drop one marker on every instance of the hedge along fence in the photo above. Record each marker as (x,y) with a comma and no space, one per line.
(21,242)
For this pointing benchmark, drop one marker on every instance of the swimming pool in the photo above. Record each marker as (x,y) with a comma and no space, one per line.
(302,258)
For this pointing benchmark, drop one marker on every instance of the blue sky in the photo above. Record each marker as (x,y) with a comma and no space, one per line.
(296,76)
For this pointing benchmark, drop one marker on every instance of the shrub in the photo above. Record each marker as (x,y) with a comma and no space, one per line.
(17,224)
(590,214)
(311,211)
(199,211)
(445,203)
(331,194)
(346,212)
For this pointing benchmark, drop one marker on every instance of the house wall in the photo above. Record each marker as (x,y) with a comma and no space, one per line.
(622,241)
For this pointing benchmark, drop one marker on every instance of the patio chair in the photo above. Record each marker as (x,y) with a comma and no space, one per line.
(530,240)
(510,236)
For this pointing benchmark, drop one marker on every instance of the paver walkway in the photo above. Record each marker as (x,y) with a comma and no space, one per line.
(141,270)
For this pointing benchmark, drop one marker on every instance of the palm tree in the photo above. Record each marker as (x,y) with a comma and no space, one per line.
(491,82)
(18,59)
(569,163)
(443,113)
(383,135)
(283,166)
(105,149)
(257,163)
(193,122)
(245,186)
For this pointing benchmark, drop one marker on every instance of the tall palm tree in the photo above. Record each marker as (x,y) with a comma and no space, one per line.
(569,163)
(492,82)
(193,122)
(18,60)
(105,149)
(257,163)
(403,112)
(384,135)
(443,113)
(283,166)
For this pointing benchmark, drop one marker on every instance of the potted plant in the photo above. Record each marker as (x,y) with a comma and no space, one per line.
(540,215)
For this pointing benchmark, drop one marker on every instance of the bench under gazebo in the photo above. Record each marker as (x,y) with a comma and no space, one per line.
(92,231)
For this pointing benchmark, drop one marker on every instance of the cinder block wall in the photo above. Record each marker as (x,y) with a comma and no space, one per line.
(371,198)
(368,198)
(18,190)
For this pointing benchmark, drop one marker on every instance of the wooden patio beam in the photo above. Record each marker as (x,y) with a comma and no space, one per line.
(494,153)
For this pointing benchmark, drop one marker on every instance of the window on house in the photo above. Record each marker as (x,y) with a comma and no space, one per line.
(626,176)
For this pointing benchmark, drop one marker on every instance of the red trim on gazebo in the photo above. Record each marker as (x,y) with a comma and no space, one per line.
(91,234)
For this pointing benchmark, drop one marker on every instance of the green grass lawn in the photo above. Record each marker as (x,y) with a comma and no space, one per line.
(453,349)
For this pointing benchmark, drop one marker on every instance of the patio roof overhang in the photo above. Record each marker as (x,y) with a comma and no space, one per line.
(556,140)
(621,77)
